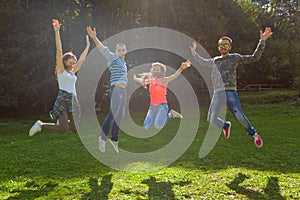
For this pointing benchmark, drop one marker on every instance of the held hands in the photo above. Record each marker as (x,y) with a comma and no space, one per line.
(265,35)
(56,25)
(91,31)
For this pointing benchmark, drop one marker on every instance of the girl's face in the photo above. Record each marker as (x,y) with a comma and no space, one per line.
(156,68)
(69,64)
(157,72)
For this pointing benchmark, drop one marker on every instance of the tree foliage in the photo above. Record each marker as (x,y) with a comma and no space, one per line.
(27,48)
(281,63)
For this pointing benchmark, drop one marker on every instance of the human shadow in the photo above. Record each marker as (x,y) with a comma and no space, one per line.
(161,190)
(101,191)
(272,189)
(32,191)
(270,192)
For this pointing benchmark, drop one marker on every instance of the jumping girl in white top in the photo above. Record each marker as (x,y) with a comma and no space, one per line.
(66,109)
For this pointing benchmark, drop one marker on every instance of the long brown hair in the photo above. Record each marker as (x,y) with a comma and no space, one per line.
(67,56)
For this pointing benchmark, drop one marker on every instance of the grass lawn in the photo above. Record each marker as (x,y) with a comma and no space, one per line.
(58,166)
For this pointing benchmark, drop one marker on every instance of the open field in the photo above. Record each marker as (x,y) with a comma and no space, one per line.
(58,166)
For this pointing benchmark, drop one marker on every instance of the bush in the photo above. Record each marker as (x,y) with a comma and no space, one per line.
(268,97)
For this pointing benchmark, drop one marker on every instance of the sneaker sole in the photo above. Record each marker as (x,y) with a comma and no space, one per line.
(100,149)
(228,131)
(176,114)
(37,126)
(116,150)
(260,144)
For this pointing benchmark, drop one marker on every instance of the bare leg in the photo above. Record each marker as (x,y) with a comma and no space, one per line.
(62,125)
(73,122)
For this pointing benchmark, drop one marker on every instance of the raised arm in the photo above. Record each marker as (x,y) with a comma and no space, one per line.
(93,34)
(83,55)
(193,47)
(183,66)
(244,59)
(139,80)
(109,56)
(143,79)
(59,63)
(198,58)
(265,35)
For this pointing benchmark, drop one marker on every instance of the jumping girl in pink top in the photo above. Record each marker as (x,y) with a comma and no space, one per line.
(158,111)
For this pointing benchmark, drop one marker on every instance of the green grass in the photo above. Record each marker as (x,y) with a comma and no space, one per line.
(57,166)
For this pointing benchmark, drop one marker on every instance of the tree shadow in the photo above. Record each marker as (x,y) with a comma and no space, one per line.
(161,190)
(32,191)
(101,191)
(270,192)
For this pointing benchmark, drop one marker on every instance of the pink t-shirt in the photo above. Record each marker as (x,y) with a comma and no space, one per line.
(158,92)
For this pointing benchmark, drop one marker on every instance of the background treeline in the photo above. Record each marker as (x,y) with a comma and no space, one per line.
(27,47)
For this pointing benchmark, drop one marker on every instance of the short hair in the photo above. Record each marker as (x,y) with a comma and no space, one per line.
(162,66)
(226,38)
(120,44)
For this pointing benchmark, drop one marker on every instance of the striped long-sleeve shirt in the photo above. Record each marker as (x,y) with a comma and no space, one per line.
(224,68)
(117,67)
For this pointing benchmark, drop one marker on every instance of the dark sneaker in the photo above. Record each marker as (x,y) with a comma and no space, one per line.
(175,114)
(257,140)
(37,127)
(115,145)
(226,131)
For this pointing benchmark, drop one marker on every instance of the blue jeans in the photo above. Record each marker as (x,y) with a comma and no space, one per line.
(158,116)
(234,106)
(116,113)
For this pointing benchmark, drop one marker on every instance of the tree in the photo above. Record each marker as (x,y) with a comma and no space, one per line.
(28,82)
(280,58)
(27,48)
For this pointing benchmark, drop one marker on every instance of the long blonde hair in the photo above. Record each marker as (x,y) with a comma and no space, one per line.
(149,75)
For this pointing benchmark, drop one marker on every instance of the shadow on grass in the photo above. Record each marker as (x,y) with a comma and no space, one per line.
(48,154)
(160,189)
(239,151)
(270,192)
(65,156)
(101,191)
(32,191)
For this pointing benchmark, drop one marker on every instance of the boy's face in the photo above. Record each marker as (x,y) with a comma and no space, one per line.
(121,50)
(224,46)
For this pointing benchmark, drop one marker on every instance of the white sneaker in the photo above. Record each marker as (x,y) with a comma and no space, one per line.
(35,128)
(175,114)
(101,144)
(115,145)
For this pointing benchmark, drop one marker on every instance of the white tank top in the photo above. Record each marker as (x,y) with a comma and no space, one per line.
(67,82)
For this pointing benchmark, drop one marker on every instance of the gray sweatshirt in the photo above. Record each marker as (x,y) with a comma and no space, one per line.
(225,67)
